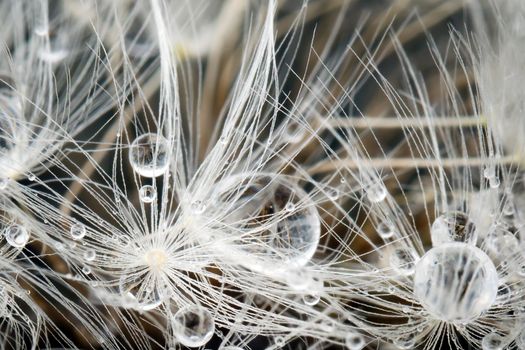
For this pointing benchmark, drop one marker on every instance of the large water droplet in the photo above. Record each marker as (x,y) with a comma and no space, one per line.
(403,261)
(147,194)
(276,236)
(455,282)
(77,231)
(193,326)
(16,235)
(453,227)
(149,155)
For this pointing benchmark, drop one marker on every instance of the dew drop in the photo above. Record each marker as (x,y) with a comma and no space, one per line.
(311,298)
(77,231)
(354,341)
(272,239)
(3,183)
(403,261)
(290,206)
(90,255)
(86,270)
(16,235)
(198,207)
(376,193)
(455,282)
(147,194)
(53,56)
(31,177)
(493,341)
(193,326)
(494,182)
(453,227)
(279,341)
(385,230)
(149,155)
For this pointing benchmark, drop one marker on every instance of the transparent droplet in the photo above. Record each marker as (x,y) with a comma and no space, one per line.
(455,282)
(501,243)
(147,194)
(86,269)
(77,231)
(403,261)
(193,326)
(3,183)
(280,341)
(453,227)
(90,255)
(53,56)
(385,230)
(493,341)
(31,177)
(16,235)
(494,182)
(290,206)
(149,155)
(198,207)
(271,238)
(311,298)
(376,193)
(354,341)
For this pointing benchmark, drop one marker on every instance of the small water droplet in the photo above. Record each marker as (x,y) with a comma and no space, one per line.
(77,231)
(16,235)
(147,194)
(198,207)
(90,255)
(354,341)
(493,341)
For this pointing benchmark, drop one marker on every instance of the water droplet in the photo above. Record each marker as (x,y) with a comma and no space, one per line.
(193,326)
(271,238)
(453,227)
(31,177)
(77,231)
(354,341)
(52,56)
(280,341)
(290,206)
(455,282)
(90,255)
(3,183)
(86,270)
(494,182)
(493,341)
(16,235)
(376,193)
(149,155)
(311,298)
(385,230)
(403,261)
(147,194)
(198,207)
